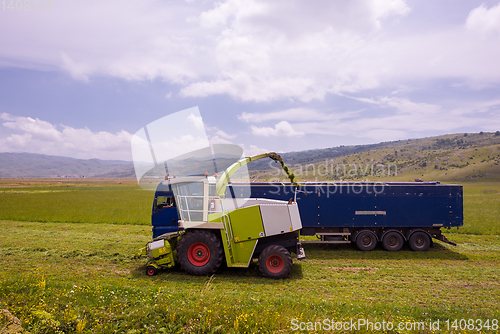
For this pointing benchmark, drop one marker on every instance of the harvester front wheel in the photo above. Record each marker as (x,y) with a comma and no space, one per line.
(200,252)
(151,271)
(275,262)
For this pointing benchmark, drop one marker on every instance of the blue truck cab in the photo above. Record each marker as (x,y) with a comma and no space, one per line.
(164,216)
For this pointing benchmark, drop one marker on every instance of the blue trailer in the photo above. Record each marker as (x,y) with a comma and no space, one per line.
(364,213)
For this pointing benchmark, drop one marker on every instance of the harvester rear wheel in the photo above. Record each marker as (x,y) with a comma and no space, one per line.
(200,252)
(275,262)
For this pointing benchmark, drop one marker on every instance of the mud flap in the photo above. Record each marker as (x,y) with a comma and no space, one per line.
(443,239)
(301,254)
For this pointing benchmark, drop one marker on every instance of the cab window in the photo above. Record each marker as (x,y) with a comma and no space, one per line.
(164,202)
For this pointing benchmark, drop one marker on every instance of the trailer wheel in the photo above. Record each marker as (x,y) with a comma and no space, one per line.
(392,241)
(366,240)
(419,241)
(275,262)
(200,252)
(151,271)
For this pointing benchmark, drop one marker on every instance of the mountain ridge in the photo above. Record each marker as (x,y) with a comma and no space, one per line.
(18,165)
(460,156)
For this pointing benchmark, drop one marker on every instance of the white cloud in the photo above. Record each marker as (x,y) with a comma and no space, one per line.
(215,131)
(230,10)
(264,54)
(218,140)
(223,134)
(484,21)
(384,118)
(400,118)
(339,47)
(253,50)
(78,71)
(197,121)
(295,115)
(127,39)
(386,8)
(252,150)
(283,129)
(36,128)
(282,15)
(219,136)
(174,146)
(248,150)
(38,136)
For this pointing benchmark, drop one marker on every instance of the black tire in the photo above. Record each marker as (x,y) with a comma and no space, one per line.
(419,241)
(275,262)
(151,271)
(200,252)
(393,241)
(366,240)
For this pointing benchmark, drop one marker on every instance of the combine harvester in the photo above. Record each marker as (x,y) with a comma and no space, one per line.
(209,227)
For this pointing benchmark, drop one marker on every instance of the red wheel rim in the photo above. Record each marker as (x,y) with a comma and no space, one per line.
(151,271)
(198,254)
(275,264)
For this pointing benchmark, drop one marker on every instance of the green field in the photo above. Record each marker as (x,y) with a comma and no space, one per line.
(67,253)
(75,200)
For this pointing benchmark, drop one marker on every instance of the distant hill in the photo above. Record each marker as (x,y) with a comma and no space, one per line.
(38,165)
(454,157)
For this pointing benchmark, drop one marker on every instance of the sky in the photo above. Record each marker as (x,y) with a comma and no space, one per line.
(80,78)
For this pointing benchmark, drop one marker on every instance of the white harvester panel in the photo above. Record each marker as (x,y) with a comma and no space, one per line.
(293,210)
(276,219)
(156,244)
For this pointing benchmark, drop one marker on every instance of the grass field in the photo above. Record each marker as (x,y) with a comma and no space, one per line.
(71,269)
(481,208)
(75,200)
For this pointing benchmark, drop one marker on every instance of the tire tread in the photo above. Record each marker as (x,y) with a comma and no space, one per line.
(216,252)
(275,250)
